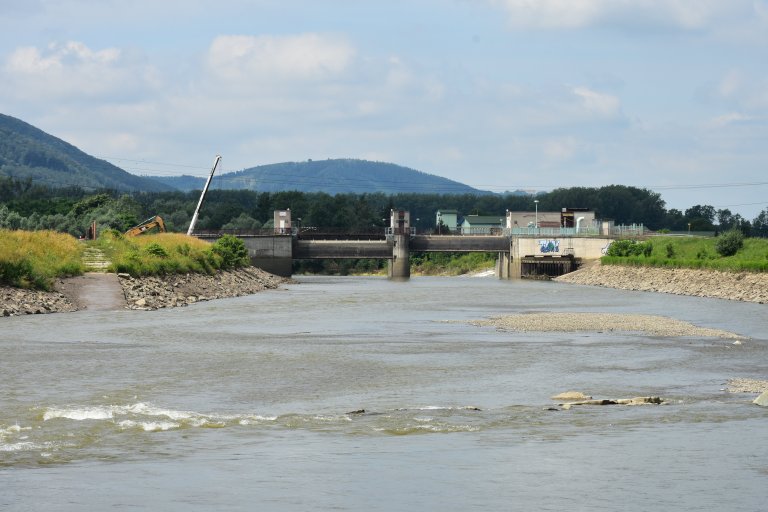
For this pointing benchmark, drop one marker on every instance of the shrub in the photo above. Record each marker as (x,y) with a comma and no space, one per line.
(729,242)
(670,250)
(155,249)
(625,248)
(232,251)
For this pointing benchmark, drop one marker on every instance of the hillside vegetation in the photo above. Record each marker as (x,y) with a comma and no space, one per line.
(332,176)
(27,152)
(34,259)
(690,252)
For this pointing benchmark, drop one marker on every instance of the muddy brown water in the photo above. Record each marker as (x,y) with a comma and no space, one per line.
(248,403)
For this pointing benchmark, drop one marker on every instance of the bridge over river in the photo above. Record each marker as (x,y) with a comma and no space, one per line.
(542,251)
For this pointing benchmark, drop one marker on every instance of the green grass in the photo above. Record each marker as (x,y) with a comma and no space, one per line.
(159,254)
(33,259)
(452,264)
(693,252)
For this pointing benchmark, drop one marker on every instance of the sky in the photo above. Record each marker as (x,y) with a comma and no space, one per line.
(669,95)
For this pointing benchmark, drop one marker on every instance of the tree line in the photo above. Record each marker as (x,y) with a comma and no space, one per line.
(25,205)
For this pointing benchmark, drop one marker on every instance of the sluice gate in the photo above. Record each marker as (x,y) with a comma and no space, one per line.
(534,267)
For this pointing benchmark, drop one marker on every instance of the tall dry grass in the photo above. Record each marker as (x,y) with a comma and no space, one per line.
(158,254)
(32,259)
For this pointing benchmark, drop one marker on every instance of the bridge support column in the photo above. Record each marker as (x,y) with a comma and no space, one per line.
(503,265)
(399,267)
(515,260)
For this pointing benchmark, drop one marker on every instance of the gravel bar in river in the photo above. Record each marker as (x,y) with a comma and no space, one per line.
(601,322)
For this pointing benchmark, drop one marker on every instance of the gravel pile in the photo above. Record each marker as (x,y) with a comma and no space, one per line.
(742,286)
(601,322)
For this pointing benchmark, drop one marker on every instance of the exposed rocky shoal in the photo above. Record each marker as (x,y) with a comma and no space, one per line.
(742,385)
(600,322)
(742,286)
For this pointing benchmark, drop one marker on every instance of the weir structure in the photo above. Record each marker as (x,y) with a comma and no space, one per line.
(534,253)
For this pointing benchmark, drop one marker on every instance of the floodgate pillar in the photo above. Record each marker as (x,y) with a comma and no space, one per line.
(400,230)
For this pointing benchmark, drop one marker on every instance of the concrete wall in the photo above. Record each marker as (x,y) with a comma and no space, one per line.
(585,248)
(432,243)
(322,249)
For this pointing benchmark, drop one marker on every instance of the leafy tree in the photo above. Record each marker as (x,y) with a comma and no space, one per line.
(729,242)
(232,251)
(760,224)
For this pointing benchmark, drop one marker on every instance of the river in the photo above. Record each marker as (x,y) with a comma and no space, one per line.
(248,404)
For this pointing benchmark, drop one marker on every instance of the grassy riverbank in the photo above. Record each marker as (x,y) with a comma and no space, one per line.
(170,253)
(451,264)
(695,253)
(33,259)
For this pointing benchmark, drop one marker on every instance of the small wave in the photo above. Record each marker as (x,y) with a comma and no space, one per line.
(149,426)
(29,446)
(434,428)
(441,408)
(79,414)
(255,420)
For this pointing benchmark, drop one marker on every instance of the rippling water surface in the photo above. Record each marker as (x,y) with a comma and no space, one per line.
(355,394)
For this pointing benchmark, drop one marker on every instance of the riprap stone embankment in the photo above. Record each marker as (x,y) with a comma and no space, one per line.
(153,292)
(742,286)
(142,292)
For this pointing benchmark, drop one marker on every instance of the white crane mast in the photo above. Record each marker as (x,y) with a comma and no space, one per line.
(202,196)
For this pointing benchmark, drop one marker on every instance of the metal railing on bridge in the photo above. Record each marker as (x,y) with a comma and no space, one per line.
(380,233)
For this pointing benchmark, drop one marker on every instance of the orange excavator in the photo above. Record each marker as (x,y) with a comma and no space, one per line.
(152,222)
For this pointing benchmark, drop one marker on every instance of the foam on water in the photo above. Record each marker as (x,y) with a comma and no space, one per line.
(149,426)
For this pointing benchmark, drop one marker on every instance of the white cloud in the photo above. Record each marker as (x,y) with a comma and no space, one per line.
(75,71)
(727,119)
(303,57)
(680,14)
(603,105)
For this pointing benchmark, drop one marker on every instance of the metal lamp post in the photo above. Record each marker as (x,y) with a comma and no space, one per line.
(536,203)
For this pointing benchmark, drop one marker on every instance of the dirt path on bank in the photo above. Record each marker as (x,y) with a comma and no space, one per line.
(94,291)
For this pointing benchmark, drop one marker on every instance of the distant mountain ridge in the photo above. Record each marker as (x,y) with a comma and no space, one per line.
(332,176)
(28,152)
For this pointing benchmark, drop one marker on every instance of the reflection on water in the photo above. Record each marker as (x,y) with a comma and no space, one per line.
(353,393)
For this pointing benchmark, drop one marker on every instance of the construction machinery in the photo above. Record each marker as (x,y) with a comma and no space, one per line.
(150,223)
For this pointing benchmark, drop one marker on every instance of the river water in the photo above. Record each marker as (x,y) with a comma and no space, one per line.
(247,404)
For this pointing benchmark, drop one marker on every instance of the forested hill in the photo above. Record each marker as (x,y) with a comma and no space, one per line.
(28,152)
(333,176)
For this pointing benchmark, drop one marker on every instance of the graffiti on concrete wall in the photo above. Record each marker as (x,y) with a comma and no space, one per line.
(549,246)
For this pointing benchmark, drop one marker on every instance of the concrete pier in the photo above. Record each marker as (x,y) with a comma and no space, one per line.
(399,267)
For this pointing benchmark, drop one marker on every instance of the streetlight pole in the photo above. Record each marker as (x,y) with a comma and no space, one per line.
(536,203)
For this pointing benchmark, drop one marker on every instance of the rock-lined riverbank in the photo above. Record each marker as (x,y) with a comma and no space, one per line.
(742,286)
(154,292)
(15,302)
(144,292)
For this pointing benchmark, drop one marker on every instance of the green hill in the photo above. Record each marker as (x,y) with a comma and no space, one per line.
(333,176)
(27,152)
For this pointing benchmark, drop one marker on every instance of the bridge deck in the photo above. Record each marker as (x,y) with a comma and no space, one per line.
(463,243)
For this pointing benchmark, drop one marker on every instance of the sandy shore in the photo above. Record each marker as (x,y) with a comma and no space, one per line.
(742,286)
(601,322)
